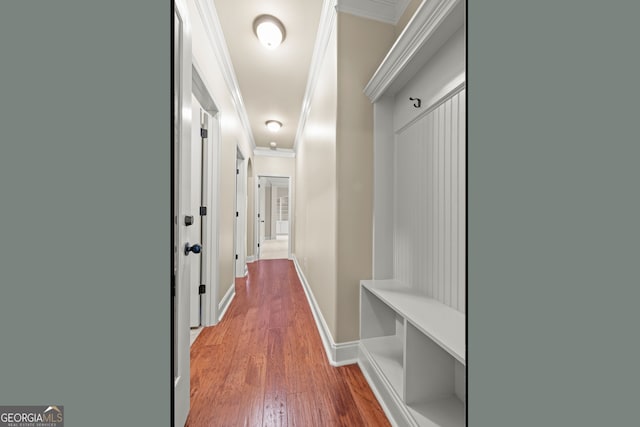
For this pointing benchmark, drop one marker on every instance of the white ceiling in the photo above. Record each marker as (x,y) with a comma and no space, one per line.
(272,82)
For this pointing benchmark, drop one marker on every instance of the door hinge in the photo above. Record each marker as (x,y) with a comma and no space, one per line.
(236,256)
(237,214)
(258,185)
(202,289)
(203,133)
(203,210)
(173,285)
(258,244)
(258,215)
(237,171)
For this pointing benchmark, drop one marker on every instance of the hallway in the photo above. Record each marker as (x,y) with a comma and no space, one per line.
(264,364)
(274,249)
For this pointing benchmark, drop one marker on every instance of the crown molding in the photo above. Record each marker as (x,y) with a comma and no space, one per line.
(278,152)
(429,28)
(218,44)
(327,21)
(401,6)
(389,11)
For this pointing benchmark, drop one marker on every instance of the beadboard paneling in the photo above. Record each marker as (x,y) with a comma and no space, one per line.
(429,193)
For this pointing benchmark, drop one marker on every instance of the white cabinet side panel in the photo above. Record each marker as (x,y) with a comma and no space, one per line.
(429,217)
(383,142)
(462,201)
(455,193)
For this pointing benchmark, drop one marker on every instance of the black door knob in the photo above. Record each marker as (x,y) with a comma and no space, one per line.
(195,249)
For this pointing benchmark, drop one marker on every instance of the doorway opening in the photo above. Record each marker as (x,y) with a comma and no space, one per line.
(273,217)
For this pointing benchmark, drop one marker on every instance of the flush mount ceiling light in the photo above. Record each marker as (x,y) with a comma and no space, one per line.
(269,31)
(273,145)
(273,125)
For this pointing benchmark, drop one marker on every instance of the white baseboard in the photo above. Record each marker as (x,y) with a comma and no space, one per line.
(251,258)
(338,354)
(226,301)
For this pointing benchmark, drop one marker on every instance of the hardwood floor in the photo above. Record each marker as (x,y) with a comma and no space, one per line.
(264,364)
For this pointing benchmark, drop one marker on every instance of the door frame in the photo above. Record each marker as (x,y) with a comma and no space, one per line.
(210,310)
(256,233)
(240,224)
(199,198)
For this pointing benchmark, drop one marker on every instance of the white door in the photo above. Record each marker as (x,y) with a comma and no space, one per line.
(181,205)
(195,231)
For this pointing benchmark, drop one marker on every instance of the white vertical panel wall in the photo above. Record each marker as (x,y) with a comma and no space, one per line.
(429,189)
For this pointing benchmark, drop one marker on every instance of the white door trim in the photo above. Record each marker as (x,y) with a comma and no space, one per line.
(290,220)
(241,219)
(198,229)
(210,308)
(256,206)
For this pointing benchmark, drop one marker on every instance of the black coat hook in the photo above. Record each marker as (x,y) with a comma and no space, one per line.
(418,102)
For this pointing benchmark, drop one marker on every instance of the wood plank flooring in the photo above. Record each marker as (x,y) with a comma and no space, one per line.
(264,364)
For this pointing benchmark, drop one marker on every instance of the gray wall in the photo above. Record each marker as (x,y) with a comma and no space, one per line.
(553,213)
(85,209)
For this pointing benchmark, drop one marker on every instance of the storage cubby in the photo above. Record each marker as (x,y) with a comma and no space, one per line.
(434,382)
(412,347)
(382,337)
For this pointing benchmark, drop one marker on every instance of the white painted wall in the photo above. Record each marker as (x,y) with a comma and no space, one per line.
(315,190)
